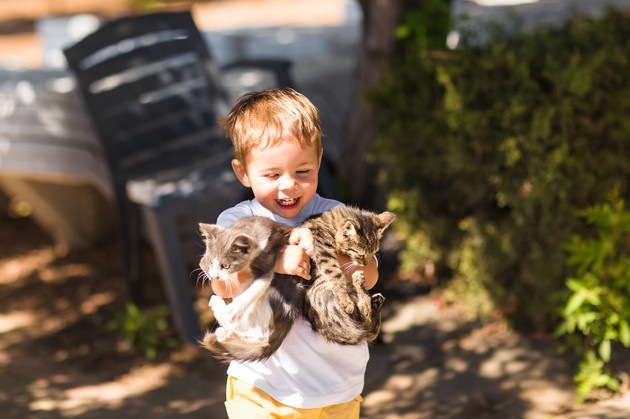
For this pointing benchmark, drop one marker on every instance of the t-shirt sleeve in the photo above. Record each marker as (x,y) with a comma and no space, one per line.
(325,204)
(232,215)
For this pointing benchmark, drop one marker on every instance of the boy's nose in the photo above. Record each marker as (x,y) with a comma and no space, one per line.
(287,183)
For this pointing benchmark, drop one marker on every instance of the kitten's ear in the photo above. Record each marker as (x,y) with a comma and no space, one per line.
(209,231)
(385,219)
(242,244)
(349,229)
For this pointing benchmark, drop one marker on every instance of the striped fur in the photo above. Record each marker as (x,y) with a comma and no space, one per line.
(338,308)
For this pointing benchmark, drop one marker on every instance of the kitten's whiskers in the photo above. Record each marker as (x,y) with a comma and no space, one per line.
(201,277)
(348,266)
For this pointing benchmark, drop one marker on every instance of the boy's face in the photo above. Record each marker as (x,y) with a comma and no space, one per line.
(283,177)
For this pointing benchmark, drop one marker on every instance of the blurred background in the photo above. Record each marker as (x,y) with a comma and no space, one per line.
(496,130)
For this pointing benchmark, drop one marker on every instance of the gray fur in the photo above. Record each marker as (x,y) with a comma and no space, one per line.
(238,248)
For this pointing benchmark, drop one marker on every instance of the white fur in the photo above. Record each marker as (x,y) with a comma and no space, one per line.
(246,320)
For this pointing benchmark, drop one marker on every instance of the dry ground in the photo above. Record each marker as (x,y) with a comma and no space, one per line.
(58,360)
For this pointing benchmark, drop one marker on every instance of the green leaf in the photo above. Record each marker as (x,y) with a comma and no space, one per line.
(576,285)
(605,350)
(574,303)
(624,332)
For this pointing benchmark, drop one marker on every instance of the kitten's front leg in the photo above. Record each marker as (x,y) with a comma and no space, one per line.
(336,275)
(220,310)
(249,297)
(364,303)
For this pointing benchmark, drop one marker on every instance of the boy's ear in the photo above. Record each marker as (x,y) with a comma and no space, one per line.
(321,155)
(240,173)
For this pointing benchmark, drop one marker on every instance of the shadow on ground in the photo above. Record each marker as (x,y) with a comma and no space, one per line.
(59,360)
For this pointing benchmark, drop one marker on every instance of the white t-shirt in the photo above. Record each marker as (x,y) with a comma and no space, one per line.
(307,371)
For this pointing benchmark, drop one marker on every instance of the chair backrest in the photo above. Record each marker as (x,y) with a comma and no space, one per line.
(152,90)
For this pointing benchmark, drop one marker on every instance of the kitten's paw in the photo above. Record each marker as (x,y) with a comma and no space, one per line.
(377,302)
(349,308)
(358,278)
(216,303)
(223,334)
(220,310)
(346,302)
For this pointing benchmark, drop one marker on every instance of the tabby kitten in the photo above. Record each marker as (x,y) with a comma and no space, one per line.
(342,310)
(254,324)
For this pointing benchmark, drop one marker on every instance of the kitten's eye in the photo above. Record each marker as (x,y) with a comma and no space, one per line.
(225,266)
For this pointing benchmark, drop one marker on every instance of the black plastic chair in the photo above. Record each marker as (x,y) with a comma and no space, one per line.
(154,95)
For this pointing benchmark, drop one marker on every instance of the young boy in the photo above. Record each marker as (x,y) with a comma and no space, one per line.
(277,153)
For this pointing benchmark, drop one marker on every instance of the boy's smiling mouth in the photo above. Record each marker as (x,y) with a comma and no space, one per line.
(287,202)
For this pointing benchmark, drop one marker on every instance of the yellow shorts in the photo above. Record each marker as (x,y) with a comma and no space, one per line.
(246,401)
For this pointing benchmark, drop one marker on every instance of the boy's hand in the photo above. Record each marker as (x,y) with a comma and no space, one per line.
(304,238)
(293,260)
(232,287)
(349,267)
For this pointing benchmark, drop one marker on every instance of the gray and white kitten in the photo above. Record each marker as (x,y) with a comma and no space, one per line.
(254,324)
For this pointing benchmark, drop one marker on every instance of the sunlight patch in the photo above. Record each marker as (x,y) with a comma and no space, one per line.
(185,407)
(16,320)
(79,400)
(411,315)
(62,273)
(91,304)
(22,266)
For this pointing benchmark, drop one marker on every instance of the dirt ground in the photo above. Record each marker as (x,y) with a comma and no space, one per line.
(59,360)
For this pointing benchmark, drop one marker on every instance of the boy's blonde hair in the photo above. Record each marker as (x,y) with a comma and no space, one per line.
(268,117)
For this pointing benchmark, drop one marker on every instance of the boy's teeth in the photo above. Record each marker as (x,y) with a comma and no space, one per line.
(287,201)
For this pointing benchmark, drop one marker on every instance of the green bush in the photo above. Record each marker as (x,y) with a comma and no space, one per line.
(489,150)
(143,331)
(598,304)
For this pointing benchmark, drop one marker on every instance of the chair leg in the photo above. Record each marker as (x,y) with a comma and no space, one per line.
(130,232)
(134,255)
(161,228)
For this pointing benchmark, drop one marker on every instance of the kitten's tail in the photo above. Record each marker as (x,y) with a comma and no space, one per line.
(227,353)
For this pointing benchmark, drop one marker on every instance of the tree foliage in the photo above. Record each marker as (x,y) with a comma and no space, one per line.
(490,149)
(598,303)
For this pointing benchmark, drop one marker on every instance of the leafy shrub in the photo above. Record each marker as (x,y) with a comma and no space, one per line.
(146,332)
(488,151)
(598,305)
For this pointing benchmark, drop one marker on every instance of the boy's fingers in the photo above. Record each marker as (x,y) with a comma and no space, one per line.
(295,237)
(309,252)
